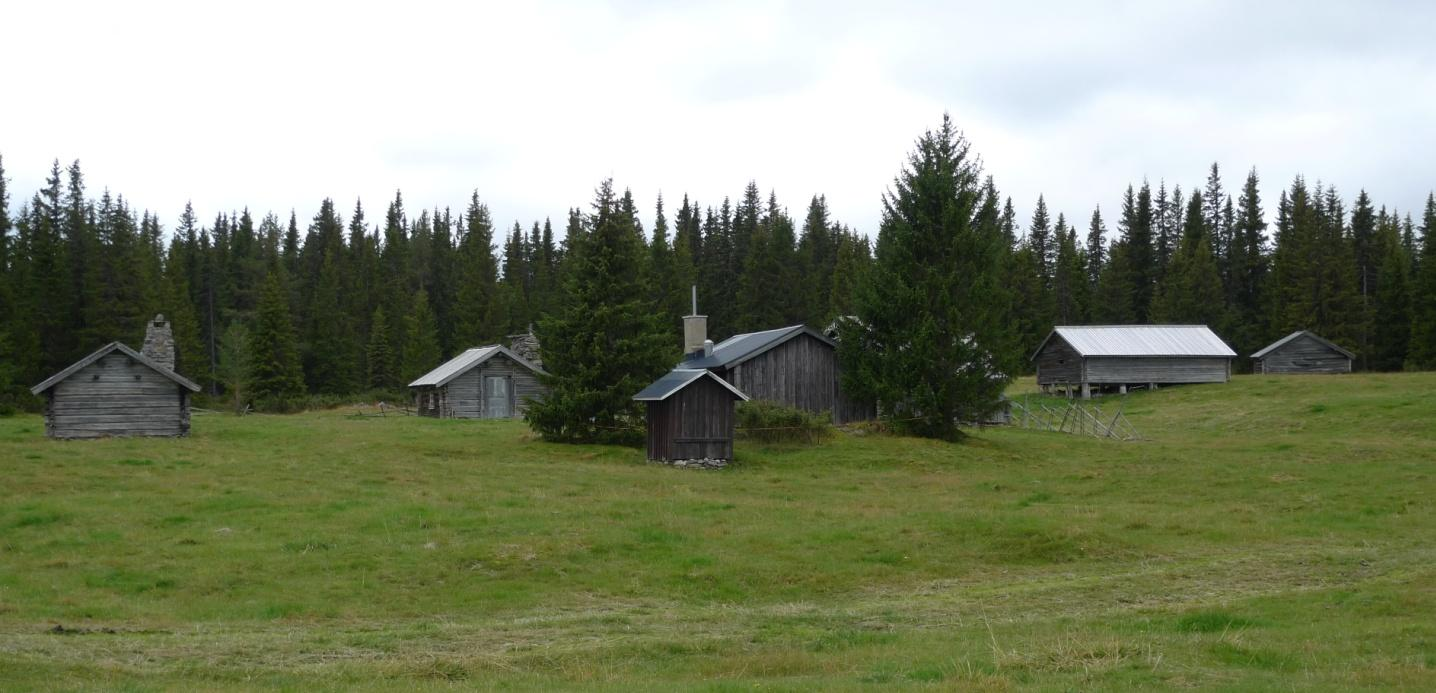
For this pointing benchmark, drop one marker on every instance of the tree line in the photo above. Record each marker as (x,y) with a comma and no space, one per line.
(274,309)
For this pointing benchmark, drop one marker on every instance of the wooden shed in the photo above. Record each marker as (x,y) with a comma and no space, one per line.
(488,382)
(1095,357)
(1302,352)
(116,391)
(795,366)
(690,417)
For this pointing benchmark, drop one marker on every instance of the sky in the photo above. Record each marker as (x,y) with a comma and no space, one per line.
(277,105)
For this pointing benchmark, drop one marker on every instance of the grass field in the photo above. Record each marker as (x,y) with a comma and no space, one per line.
(1270,533)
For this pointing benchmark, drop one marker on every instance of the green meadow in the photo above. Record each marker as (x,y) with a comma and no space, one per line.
(1275,532)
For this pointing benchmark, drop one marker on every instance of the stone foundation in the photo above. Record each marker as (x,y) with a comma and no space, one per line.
(704,463)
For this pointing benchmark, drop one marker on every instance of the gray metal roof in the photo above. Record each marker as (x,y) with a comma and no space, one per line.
(1141,340)
(741,347)
(100,353)
(461,364)
(1282,342)
(676,380)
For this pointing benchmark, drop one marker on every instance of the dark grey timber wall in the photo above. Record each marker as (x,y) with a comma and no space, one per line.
(1116,370)
(692,424)
(801,373)
(116,396)
(463,397)
(1058,362)
(1304,355)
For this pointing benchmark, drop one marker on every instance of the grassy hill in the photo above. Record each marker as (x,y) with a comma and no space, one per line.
(1273,532)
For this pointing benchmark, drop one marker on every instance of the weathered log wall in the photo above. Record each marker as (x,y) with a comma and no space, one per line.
(116,396)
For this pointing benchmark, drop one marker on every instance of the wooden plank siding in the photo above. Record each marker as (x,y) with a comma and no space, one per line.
(801,373)
(116,396)
(694,423)
(464,396)
(1118,370)
(1303,355)
(1058,363)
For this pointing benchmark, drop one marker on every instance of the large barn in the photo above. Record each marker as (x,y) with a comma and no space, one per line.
(487,382)
(117,391)
(795,366)
(1095,357)
(1302,352)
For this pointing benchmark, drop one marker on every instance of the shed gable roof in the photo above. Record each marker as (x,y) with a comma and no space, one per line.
(741,347)
(1141,340)
(1291,337)
(679,378)
(466,361)
(106,350)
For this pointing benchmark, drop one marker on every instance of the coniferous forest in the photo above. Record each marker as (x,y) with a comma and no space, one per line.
(279,308)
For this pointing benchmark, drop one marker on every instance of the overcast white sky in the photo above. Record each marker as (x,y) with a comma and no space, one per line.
(278,105)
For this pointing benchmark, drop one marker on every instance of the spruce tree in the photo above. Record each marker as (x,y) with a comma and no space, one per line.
(278,377)
(477,278)
(606,342)
(933,345)
(1069,278)
(1248,265)
(236,367)
(1391,298)
(1422,351)
(421,339)
(383,366)
(1096,248)
(1039,239)
(1192,291)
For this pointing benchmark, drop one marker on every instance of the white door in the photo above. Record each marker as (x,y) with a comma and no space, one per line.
(496,397)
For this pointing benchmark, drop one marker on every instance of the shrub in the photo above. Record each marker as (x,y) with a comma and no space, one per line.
(776,423)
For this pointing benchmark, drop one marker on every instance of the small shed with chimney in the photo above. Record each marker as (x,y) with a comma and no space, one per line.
(690,418)
(117,391)
(1302,351)
(487,382)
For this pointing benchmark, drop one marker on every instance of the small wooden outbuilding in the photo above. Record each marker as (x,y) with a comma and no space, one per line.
(117,391)
(487,382)
(1302,352)
(690,417)
(1092,357)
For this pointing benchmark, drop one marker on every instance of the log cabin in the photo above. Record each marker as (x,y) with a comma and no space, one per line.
(1302,352)
(487,382)
(1092,358)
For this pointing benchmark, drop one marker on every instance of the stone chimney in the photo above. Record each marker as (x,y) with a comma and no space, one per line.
(695,331)
(160,342)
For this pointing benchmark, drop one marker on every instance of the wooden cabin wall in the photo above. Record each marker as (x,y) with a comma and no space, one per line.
(693,423)
(1304,355)
(116,396)
(465,396)
(1058,362)
(1116,370)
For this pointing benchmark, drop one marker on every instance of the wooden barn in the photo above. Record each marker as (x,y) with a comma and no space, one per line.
(690,418)
(795,366)
(1302,352)
(117,391)
(488,382)
(1096,357)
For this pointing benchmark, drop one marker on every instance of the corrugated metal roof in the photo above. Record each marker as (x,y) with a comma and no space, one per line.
(1142,340)
(1281,342)
(741,347)
(102,351)
(456,366)
(676,380)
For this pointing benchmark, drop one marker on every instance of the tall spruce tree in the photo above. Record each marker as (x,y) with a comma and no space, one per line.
(1096,248)
(1192,292)
(278,377)
(1391,298)
(383,364)
(1069,277)
(1422,351)
(605,342)
(933,344)
(1247,259)
(477,278)
(421,339)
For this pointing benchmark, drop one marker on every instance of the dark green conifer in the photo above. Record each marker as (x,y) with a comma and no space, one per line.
(606,342)
(278,376)
(933,344)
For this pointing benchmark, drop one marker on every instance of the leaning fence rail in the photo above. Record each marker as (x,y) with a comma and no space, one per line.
(1073,417)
